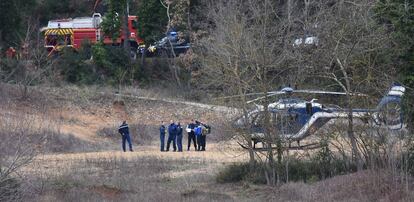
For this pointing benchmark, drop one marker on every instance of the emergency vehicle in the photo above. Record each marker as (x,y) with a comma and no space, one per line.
(73,32)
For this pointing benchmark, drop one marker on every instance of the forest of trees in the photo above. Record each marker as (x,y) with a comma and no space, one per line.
(20,22)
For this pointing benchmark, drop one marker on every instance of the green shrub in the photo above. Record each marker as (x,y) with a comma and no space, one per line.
(74,69)
(233,173)
(318,167)
(241,172)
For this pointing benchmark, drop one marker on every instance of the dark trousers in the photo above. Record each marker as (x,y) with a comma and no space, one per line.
(171,138)
(125,138)
(180,142)
(199,142)
(162,138)
(191,136)
(203,142)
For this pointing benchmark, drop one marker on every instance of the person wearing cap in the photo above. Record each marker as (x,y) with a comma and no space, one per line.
(124,131)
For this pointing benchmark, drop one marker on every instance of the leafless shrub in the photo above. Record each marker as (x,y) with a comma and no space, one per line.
(21,140)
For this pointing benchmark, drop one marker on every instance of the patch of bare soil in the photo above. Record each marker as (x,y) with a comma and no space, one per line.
(106,191)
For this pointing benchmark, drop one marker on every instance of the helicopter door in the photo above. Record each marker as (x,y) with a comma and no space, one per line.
(309,108)
(257,122)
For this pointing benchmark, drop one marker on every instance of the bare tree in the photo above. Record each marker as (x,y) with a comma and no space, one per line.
(249,50)
(32,65)
(172,63)
(348,54)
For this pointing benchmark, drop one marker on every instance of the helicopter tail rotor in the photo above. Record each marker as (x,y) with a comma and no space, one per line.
(389,110)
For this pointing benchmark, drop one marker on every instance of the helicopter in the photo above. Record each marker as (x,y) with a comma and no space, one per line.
(296,119)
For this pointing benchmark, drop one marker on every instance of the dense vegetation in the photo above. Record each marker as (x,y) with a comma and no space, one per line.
(20,22)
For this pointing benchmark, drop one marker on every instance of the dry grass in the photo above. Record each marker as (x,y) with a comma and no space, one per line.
(144,175)
(361,186)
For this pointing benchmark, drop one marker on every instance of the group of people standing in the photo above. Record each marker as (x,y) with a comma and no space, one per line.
(196,131)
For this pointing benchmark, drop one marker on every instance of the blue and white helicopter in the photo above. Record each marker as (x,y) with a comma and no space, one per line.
(296,119)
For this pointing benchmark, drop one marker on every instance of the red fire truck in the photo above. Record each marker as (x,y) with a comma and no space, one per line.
(73,32)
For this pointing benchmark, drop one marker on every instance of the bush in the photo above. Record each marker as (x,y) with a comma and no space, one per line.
(9,189)
(241,172)
(310,170)
(74,69)
(233,173)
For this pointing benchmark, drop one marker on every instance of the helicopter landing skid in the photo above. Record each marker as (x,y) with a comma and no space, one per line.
(300,147)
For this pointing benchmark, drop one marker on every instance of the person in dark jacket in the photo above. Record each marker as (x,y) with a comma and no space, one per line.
(124,131)
(191,135)
(172,132)
(205,129)
(179,137)
(162,135)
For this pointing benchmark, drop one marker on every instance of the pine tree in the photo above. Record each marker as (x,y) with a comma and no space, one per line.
(152,20)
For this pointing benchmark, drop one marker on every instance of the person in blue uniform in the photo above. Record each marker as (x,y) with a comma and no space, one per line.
(162,135)
(124,131)
(172,132)
(191,135)
(179,137)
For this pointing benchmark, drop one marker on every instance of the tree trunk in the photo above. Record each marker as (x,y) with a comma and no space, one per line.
(252,162)
(125,29)
(350,131)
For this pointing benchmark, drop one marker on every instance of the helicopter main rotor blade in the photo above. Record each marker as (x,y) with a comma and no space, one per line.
(268,95)
(328,92)
(288,90)
(235,96)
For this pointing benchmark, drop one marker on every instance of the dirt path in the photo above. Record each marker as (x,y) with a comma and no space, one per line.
(213,154)
(216,108)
